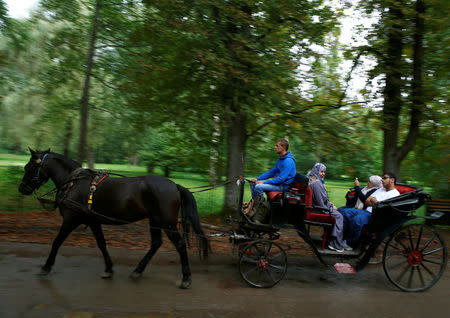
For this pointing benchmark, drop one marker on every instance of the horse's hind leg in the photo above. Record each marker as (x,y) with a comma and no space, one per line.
(101,243)
(156,241)
(180,245)
(67,227)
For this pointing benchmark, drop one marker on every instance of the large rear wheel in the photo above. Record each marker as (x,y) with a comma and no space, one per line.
(263,263)
(415,257)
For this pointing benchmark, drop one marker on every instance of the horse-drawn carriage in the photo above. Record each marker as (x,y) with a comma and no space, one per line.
(414,255)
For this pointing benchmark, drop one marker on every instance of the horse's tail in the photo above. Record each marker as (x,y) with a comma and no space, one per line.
(190,217)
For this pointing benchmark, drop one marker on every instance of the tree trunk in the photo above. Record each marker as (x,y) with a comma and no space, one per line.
(417,94)
(214,156)
(393,154)
(166,171)
(392,90)
(236,144)
(85,97)
(67,137)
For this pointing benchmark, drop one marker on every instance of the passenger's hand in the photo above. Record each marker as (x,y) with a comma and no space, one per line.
(334,207)
(371,201)
(356,182)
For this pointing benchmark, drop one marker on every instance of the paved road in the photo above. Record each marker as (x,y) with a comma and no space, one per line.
(74,289)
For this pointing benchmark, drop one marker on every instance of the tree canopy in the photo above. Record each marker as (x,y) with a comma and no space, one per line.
(209,86)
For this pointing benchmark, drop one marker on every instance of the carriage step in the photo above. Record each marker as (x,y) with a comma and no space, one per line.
(344,268)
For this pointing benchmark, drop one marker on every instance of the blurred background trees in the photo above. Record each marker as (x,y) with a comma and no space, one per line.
(208,86)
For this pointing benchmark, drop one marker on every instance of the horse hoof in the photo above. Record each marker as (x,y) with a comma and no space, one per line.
(44,271)
(135,275)
(185,284)
(107,275)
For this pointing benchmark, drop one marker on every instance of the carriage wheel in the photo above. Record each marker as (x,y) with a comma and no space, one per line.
(414,257)
(263,263)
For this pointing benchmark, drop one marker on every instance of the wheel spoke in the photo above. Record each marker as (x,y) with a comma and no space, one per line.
(410,277)
(403,245)
(269,273)
(428,270)
(432,262)
(419,238)
(249,260)
(395,247)
(420,276)
(259,276)
(398,264)
(428,243)
(402,273)
(268,250)
(410,239)
(277,267)
(250,271)
(434,251)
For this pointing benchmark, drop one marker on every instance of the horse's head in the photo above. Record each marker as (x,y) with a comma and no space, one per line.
(35,174)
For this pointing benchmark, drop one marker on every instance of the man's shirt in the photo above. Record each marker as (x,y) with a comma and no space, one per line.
(381,195)
(283,172)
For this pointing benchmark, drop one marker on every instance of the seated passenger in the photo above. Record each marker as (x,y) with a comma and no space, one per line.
(373,184)
(283,174)
(320,198)
(357,218)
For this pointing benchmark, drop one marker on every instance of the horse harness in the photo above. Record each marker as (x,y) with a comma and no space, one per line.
(80,174)
(98,178)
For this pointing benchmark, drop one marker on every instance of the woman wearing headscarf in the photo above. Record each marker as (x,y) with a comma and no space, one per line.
(353,225)
(320,198)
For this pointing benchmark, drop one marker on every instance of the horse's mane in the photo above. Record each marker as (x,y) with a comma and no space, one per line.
(67,162)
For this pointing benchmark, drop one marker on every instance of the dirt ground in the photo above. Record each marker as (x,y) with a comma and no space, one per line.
(74,288)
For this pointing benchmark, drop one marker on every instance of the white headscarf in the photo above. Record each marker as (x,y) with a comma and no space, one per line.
(375,183)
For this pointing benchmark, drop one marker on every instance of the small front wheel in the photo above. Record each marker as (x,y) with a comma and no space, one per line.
(414,257)
(263,263)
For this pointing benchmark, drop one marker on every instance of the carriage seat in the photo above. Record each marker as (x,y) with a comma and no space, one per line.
(299,193)
(294,195)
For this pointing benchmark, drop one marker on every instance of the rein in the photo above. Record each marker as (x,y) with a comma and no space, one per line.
(210,186)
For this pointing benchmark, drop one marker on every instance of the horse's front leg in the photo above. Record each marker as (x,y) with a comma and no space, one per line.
(67,227)
(101,243)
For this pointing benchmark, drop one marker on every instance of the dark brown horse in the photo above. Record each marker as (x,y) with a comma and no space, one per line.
(115,201)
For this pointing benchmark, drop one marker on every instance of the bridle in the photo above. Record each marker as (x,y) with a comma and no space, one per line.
(40,178)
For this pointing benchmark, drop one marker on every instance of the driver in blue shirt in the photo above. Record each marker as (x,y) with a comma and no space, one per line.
(282,173)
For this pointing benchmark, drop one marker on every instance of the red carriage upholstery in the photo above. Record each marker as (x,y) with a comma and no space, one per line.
(274,196)
(402,188)
(316,216)
(311,215)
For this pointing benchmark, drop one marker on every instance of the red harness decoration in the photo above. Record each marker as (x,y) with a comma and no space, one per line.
(94,184)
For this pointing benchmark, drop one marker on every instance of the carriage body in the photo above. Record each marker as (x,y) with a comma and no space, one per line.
(406,247)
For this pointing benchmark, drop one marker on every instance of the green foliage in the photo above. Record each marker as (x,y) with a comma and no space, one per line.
(170,75)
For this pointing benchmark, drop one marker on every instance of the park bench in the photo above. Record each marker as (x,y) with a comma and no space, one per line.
(439,205)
